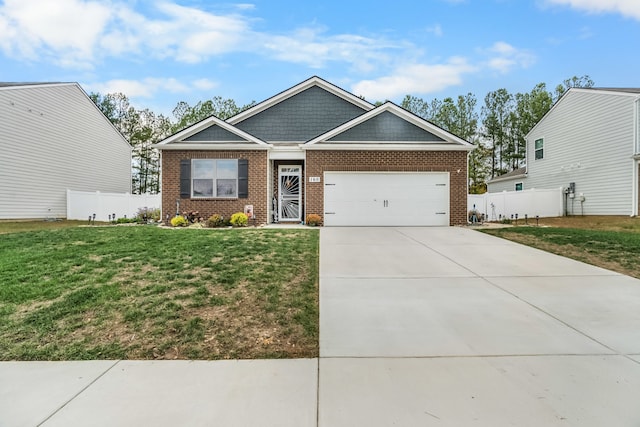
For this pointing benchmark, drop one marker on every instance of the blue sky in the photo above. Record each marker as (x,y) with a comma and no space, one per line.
(161,52)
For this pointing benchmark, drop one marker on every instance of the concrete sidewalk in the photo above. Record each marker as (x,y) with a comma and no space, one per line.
(418,326)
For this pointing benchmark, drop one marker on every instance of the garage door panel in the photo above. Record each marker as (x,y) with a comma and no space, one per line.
(386,199)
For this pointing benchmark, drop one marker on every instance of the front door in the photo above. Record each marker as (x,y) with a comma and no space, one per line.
(289,194)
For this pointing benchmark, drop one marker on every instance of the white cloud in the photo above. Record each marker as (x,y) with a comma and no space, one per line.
(145,88)
(436,30)
(628,8)
(416,79)
(503,57)
(86,32)
(310,46)
(204,84)
(69,26)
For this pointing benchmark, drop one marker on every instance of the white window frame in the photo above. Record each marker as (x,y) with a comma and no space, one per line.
(536,149)
(215,176)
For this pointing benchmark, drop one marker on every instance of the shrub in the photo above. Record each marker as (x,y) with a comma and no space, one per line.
(313,220)
(179,221)
(239,219)
(193,216)
(152,214)
(215,220)
(126,220)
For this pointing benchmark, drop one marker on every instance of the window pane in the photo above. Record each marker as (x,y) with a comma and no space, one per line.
(202,188)
(539,143)
(539,154)
(203,169)
(227,188)
(227,169)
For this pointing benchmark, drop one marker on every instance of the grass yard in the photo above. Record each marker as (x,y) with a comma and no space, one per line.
(608,242)
(153,293)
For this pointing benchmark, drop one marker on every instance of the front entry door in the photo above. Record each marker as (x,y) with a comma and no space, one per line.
(289,194)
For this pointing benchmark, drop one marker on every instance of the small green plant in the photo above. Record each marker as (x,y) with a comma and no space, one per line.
(126,220)
(239,219)
(148,214)
(215,220)
(179,221)
(506,220)
(313,220)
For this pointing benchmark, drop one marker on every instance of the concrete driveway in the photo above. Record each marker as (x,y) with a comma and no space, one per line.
(418,327)
(448,326)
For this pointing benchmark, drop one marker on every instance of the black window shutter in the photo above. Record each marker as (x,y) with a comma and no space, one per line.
(185,178)
(243,178)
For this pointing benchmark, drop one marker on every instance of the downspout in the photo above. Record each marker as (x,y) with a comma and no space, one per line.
(304,183)
(269,192)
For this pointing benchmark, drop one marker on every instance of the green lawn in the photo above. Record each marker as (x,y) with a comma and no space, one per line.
(156,293)
(615,250)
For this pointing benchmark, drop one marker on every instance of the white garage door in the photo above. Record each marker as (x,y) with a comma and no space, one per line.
(386,199)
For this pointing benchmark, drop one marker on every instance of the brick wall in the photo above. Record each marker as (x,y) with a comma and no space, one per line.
(257,185)
(454,162)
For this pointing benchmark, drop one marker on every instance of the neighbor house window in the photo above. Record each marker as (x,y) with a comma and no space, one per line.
(539,147)
(214,178)
(518,186)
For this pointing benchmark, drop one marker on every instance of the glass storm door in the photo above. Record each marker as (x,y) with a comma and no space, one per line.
(289,194)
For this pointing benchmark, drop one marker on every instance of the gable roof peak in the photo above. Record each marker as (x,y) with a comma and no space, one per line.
(294,90)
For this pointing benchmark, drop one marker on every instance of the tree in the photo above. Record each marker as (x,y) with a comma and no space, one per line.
(529,109)
(421,108)
(575,81)
(149,129)
(141,129)
(187,115)
(496,112)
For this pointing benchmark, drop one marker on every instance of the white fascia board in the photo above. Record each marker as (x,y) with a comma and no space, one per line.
(208,122)
(313,81)
(400,112)
(211,147)
(507,178)
(387,147)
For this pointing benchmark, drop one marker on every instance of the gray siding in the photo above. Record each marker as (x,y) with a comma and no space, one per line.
(53,138)
(215,133)
(386,127)
(507,185)
(588,139)
(301,117)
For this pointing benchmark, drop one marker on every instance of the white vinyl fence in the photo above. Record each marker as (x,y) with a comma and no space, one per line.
(82,204)
(506,204)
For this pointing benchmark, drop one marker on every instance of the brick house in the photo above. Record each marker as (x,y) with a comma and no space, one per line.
(318,149)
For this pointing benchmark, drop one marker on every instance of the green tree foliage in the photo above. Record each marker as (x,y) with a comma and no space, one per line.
(496,120)
(575,81)
(141,128)
(498,132)
(187,115)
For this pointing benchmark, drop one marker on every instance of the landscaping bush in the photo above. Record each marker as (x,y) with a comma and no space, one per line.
(193,216)
(239,219)
(152,214)
(126,220)
(313,220)
(179,221)
(215,220)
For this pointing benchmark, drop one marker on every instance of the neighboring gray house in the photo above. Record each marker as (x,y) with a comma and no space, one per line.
(588,144)
(54,138)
